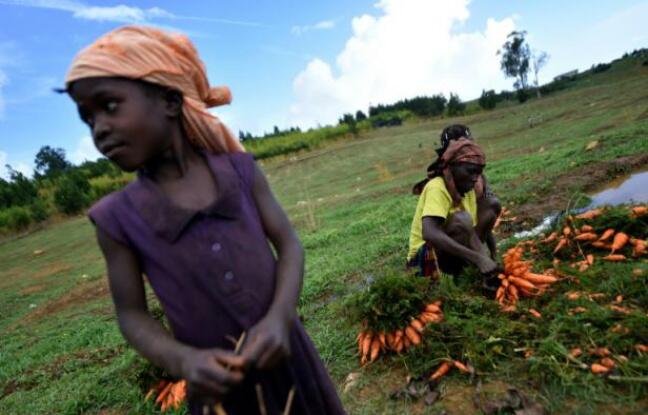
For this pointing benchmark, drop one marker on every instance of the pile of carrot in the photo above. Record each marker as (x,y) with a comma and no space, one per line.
(371,344)
(170,395)
(518,280)
(610,239)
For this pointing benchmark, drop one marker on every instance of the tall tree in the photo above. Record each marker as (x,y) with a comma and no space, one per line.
(538,60)
(50,162)
(515,59)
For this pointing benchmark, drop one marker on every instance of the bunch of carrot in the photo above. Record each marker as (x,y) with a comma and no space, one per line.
(371,344)
(518,280)
(169,394)
(503,217)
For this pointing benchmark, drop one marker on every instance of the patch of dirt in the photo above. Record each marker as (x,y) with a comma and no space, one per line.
(586,178)
(32,289)
(50,269)
(83,293)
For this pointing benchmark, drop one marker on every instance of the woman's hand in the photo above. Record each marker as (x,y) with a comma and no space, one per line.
(485,264)
(268,342)
(211,373)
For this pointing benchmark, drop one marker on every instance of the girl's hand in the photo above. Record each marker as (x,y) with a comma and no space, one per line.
(211,372)
(268,342)
(485,264)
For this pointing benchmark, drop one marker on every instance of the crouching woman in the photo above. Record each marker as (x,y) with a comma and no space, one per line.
(446,232)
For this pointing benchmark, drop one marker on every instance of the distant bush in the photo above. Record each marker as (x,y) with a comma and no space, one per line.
(38,211)
(103,185)
(455,106)
(488,99)
(601,67)
(15,218)
(422,106)
(389,119)
(71,194)
(522,95)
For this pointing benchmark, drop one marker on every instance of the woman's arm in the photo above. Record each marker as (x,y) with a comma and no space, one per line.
(204,368)
(269,340)
(433,232)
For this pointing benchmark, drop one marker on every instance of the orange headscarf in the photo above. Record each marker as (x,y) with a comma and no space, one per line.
(462,150)
(171,60)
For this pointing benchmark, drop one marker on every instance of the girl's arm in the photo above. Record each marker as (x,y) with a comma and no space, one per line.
(203,368)
(269,340)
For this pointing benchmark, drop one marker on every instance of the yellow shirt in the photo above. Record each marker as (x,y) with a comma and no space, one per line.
(435,200)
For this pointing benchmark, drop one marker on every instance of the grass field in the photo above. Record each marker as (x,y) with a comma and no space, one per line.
(61,351)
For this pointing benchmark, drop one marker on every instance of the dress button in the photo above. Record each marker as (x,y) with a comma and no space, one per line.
(216,247)
(229,275)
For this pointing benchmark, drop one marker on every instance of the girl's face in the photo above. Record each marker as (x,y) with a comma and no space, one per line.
(130,124)
(465,176)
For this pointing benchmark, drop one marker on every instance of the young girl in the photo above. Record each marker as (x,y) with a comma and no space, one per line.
(196,221)
(455,213)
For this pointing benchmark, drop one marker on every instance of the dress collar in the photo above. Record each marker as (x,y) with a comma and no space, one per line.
(169,220)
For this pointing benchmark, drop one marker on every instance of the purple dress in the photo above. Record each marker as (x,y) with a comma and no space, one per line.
(214,273)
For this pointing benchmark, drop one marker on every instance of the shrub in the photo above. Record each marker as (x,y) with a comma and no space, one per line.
(455,106)
(38,211)
(15,218)
(103,185)
(488,99)
(523,95)
(71,194)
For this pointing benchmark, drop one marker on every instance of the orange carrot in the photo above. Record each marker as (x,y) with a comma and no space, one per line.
(607,234)
(413,336)
(520,282)
(513,291)
(164,393)
(417,325)
(639,210)
(398,334)
(366,343)
(398,345)
(381,339)
(461,366)
(586,228)
(588,236)
(539,278)
(361,337)
(441,371)
(600,351)
(590,259)
(406,343)
(614,258)
(433,308)
(375,349)
(607,362)
(552,237)
(389,339)
(567,231)
(576,352)
(560,245)
(500,293)
(590,214)
(641,348)
(619,241)
(598,369)
(535,313)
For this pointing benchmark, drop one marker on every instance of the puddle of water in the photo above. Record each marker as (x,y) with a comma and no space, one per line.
(627,189)
(633,189)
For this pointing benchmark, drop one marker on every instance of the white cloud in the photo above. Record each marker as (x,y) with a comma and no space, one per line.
(414,47)
(85,150)
(22,167)
(120,13)
(323,25)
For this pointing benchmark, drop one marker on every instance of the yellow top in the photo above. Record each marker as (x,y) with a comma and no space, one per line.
(435,200)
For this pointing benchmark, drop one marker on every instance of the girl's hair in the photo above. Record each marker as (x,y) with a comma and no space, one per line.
(454,132)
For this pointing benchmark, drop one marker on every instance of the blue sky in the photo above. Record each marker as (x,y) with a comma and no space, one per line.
(296,62)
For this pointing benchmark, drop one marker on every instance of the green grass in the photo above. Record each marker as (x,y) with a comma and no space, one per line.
(61,351)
